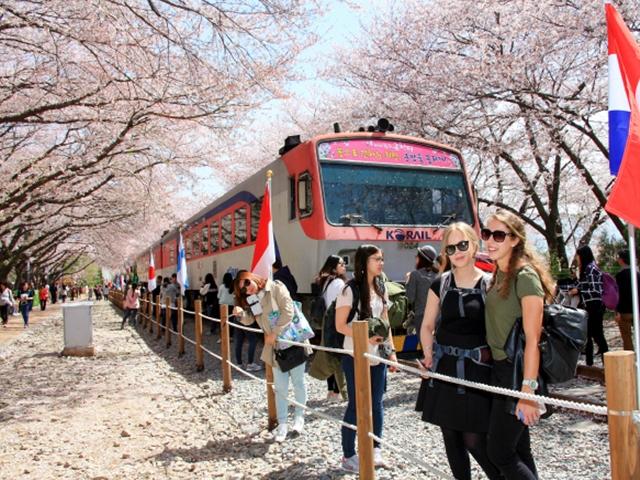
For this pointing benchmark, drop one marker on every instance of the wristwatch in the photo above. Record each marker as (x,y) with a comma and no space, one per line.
(532,383)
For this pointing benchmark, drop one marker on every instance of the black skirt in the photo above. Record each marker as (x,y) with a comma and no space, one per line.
(442,405)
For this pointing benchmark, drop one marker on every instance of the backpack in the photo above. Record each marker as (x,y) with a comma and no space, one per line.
(399,304)
(330,336)
(318,306)
(445,287)
(610,293)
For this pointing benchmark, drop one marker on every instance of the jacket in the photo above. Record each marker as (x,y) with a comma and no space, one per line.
(281,297)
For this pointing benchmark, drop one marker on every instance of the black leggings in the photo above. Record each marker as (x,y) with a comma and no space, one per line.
(458,446)
(509,445)
(595,329)
(332,384)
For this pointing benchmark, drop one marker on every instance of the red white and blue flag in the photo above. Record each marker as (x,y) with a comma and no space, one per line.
(152,272)
(264,253)
(624,119)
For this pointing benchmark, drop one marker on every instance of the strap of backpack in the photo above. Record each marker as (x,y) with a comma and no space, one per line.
(355,303)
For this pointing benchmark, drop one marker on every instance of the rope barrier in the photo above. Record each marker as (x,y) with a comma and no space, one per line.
(491,389)
(405,453)
(215,355)
(188,311)
(317,347)
(211,318)
(243,327)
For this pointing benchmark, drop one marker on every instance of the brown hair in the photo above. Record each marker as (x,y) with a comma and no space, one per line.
(241,298)
(468,232)
(521,252)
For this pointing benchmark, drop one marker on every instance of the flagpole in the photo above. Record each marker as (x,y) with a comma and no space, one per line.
(269,175)
(634,302)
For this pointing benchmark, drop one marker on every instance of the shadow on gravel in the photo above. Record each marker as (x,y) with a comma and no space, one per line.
(297,472)
(240,447)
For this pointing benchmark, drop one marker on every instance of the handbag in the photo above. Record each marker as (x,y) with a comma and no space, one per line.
(298,329)
(378,326)
(291,357)
(564,334)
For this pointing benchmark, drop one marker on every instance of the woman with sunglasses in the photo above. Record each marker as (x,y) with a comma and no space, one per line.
(456,345)
(519,287)
(330,281)
(371,301)
(248,286)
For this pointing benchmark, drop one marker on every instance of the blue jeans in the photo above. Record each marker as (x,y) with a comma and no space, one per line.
(378,381)
(24,310)
(281,382)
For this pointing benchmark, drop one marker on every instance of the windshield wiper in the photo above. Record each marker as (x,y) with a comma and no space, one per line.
(446,220)
(357,219)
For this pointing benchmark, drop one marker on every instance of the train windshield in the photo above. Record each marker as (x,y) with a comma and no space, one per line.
(358,193)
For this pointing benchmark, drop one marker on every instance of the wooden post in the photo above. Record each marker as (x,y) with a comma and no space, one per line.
(362,375)
(225,348)
(168,324)
(158,312)
(167,312)
(199,352)
(624,442)
(271,397)
(180,326)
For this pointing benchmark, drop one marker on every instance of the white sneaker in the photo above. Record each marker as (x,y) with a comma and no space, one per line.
(254,367)
(280,433)
(351,464)
(378,461)
(298,425)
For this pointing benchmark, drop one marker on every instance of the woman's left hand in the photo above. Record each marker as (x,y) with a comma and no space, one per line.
(392,368)
(527,412)
(270,338)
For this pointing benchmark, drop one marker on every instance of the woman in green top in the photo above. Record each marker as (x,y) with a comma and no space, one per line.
(519,287)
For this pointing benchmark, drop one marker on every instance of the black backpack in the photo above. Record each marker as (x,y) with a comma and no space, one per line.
(330,336)
(318,306)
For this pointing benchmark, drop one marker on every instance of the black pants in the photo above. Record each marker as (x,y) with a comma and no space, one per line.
(332,384)
(508,442)
(595,329)
(43,305)
(459,445)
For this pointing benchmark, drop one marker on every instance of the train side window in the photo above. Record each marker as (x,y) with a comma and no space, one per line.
(292,198)
(240,232)
(195,243)
(305,199)
(204,245)
(172,255)
(225,230)
(256,206)
(214,236)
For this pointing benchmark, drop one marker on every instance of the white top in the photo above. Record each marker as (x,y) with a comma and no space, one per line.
(332,290)
(345,299)
(224,297)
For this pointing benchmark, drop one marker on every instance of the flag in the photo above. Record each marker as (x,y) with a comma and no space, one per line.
(183,280)
(152,272)
(624,83)
(264,253)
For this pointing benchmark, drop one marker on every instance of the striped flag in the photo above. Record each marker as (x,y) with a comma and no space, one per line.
(624,117)
(264,253)
(152,272)
(183,279)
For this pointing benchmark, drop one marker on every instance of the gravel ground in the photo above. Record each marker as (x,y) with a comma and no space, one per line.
(138,411)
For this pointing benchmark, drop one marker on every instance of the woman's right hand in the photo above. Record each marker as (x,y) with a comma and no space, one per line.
(237,310)
(427,361)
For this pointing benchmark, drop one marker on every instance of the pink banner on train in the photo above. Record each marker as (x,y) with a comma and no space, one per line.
(389,152)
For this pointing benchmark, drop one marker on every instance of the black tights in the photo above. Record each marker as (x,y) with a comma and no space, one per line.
(459,445)
(332,384)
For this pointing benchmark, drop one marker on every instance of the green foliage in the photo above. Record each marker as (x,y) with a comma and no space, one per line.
(608,248)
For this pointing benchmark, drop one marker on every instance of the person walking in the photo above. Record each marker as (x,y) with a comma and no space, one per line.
(25,298)
(371,302)
(624,311)
(455,312)
(264,295)
(6,302)
(590,290)
(209,294)
(43,295)
(520,285)
(331,281)
(419,281)
(131,304)
(64,290)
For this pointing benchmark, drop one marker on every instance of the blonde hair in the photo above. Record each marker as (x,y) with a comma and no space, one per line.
(522,251)
(468,233)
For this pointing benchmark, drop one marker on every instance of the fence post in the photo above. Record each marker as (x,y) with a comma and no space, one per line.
(619,373)
(180,326)
(167,313)
(147,318)
(362,375)
(271,397)
(158,312)
(199,352)
(168,324)
(225,348)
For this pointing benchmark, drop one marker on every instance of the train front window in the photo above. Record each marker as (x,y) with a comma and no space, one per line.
(384,195)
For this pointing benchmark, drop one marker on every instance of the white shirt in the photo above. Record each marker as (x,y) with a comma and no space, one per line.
(332,290)
(345,299)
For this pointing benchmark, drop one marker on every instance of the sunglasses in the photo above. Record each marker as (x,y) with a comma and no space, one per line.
(498,235)
(462,246)
(244,284)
